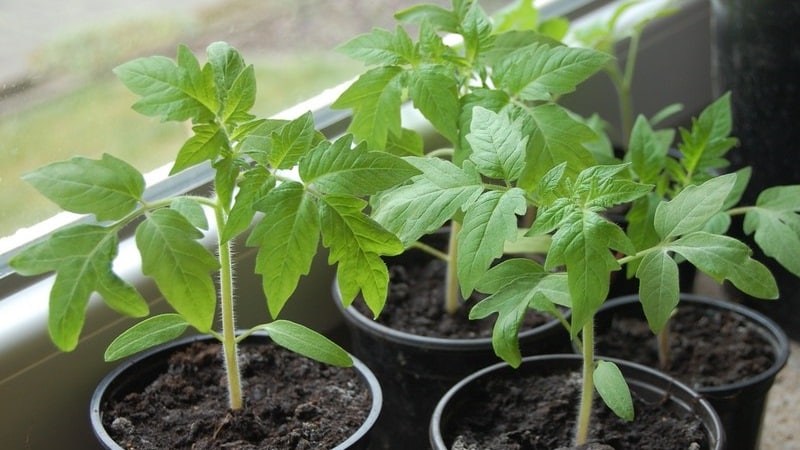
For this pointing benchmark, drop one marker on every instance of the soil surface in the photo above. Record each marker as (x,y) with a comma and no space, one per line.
(292,403)
(708,346)
(415,304)
(538,413)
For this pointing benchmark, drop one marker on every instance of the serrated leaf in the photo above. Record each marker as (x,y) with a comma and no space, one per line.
(226,65)
(179,264)
(498,148)
(293,141)
(491,99)
(539,71)
(437,16)
(488,223)
(169,91)
(206,144)
(600,188)
(429,200)
(659,288)
(648,151)
(723,257)
(610,384)
(108,187)
(191,210)
(476,29)
(307,342)
(255,185)
(146,334)
(776,224)
(241,97)
(408,143)
(381,47)
(287,238)
(342,169)
(693,207)
(82,257)
(434,92)
(356,243)
(375,98)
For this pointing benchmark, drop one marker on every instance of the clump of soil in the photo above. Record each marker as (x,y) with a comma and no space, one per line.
(291,403)
(415,305)
(514,412)
(708,346)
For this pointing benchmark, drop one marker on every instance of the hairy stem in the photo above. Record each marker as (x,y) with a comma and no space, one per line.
(451,300)
(664,356)
(229,347)
(587,390)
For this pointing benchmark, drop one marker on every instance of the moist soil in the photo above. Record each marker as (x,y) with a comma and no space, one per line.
(415,305)
(708,346)
(513,412)
(291,403)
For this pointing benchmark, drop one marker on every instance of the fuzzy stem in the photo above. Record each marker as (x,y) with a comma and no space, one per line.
(664,357)
(451,286)
(229,347)
(587,390)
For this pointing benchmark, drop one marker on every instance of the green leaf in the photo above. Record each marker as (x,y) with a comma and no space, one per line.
(723,257)
(439,17)
(206,144)
(539,71)
(381,47)
(435,93)
(600,187)
(146,334)
(241,97)
(287,237)
(108,187)
(429,200)
(658,288)
(693,207)
(613,389)
(356,243)
(709,140)
(488,224)
(255,185)
(342,169)
(226,66)
(82,257)
(170,91)
(307,342)
(648,150)
(498,148)
(476,29)
(776,224)
(375,98)
(293,141)
(179,264)
(192,211)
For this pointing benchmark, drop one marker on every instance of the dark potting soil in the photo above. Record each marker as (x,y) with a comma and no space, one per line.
(515,412)
(708,346)
(291,403)
(415,305)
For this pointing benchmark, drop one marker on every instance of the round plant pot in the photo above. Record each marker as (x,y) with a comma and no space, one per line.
(136,373)
(469,407)
(414,371)
(740,403)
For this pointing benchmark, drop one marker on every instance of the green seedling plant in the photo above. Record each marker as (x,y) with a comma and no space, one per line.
(689,210)
(279,185)
(465,64)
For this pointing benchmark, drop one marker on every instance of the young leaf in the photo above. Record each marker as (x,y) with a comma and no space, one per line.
(429,200)
(292,141)
(287,237)
(207,143)
(226,65)
(180,266)
(658,288)
(356,243)
(375,98)
(241,97)
(440,18)
(381,47)
(613,389)
(255,185)
(498,148)
(648,150)
(342,169)
(306,342)
(776,224)
(476,29)
(109,188)
(435,94)
(488,223)
(192,211)
(723,257)
(146,334)
(82,257)
(693,207)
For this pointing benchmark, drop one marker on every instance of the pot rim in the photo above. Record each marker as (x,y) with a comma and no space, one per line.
(714,424)
(353,316)
(100,432)
(770,329)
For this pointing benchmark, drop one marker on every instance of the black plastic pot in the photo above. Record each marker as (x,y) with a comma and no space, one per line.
(740,405)
(650,385)
(139,371)
(755,57)
(414,371)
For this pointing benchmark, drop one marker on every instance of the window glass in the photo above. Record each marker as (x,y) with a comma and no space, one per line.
(58,97)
